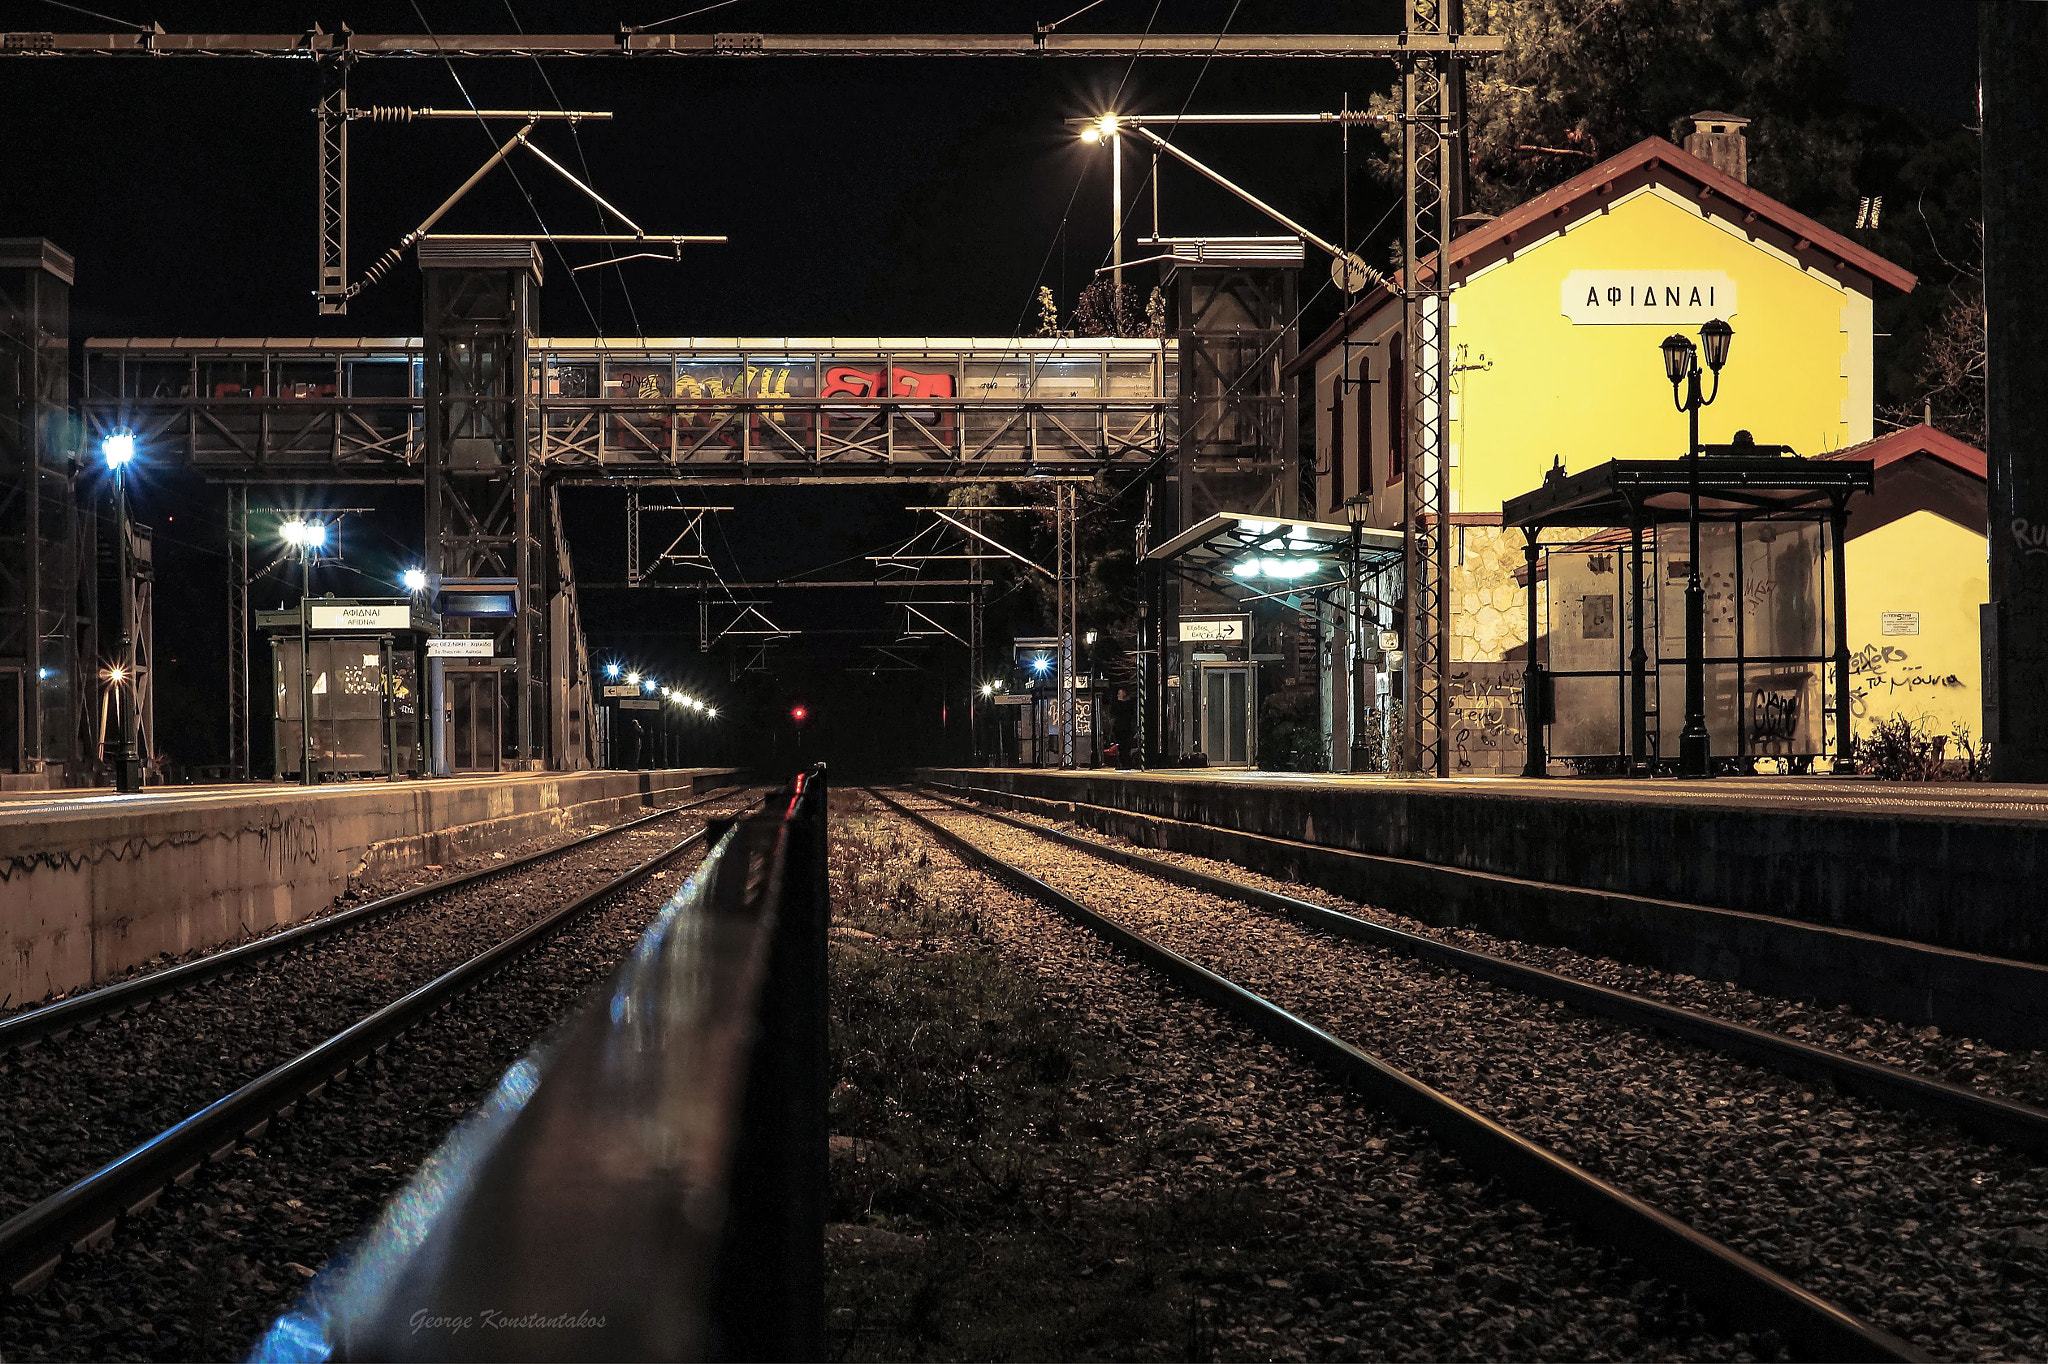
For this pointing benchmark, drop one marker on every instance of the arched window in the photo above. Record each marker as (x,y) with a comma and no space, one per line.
(1397,411)
(1337,435)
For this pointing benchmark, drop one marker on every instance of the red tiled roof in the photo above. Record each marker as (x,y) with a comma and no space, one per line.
(1659,156)
(1916,440)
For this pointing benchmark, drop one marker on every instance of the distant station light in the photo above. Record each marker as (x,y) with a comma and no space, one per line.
(650,685)
(1042,664)
(799,714)
(414,579)
(611,670)
(118,449)
(988,689)
(711,711)
(633,678)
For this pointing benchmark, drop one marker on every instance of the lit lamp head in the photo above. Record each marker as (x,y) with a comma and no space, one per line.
(988,689)
(1101,130)
(117,673)
(650,685)
(1679,358)
(611,670)
(1714,339)
(711,711)
(414,579)
(118,450)
(306,535)
(634,678)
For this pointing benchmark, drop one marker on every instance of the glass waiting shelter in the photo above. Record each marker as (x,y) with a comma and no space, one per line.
(1608,611)
(1225,566)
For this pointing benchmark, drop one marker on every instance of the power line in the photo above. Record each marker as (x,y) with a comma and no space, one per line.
(548,236)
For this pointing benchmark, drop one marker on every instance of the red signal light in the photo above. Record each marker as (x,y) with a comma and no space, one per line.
(799,714)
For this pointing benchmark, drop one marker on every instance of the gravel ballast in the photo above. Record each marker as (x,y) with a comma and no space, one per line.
(2018,1074)
(1356,1237)
(1935,1236)
(203,1274)
(69,1105)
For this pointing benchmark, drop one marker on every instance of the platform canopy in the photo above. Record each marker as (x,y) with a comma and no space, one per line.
(1252,558)
(1628,492)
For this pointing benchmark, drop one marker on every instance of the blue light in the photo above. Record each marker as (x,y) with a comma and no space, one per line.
(118,448)
(1041,663)
(414,580)
(611,670)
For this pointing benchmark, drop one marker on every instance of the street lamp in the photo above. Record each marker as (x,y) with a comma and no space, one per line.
(1682,366)
(117,448)
(307,537)
(1105,129)
(413,580)
(611,670)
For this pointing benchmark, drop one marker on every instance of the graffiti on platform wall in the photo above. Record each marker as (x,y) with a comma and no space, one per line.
(1489,731)
(1881,671)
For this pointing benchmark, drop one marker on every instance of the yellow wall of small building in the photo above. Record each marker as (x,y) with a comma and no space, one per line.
(1534,385)
(1921,563)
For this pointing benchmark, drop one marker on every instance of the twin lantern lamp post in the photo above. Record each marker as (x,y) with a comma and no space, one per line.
(1682,366)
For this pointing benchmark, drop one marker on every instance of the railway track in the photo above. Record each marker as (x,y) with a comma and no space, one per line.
(52,1022)
(1238,967)
(87,1212)
(1995,1118)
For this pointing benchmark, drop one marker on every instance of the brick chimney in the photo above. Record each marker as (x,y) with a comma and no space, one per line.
(1717,139)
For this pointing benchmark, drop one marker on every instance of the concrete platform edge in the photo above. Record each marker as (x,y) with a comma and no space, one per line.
(89,891)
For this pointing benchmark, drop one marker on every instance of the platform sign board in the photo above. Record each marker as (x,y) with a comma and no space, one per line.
(622,689)
(481,647)
(641,703)
(1215,629)
(369,616)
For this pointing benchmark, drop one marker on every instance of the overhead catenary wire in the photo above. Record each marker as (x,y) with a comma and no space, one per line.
(596,327)
(576,140)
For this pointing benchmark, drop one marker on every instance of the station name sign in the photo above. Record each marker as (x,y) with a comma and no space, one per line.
(390,616)
(1661,298)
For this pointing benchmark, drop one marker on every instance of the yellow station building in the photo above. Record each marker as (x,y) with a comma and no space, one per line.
(1557,311)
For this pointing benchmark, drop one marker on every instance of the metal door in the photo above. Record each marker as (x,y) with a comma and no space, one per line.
(1227,714)
(474,743)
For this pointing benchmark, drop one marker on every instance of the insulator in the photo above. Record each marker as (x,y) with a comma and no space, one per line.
(388,113)
(383,266)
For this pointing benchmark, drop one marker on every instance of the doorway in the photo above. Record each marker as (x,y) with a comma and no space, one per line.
(12,730)
(474,743)
(1227,714)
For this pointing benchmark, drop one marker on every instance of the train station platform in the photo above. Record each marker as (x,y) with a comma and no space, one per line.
(93,882)
(1912,900)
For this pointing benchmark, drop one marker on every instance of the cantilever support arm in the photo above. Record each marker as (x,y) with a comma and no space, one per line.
(391,258)
(1217,177)
(962,525)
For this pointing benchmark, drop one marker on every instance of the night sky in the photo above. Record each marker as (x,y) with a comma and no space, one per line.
(862,199)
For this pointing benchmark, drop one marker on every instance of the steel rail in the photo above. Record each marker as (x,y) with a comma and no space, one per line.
(1984,1115)
(1747,1295)
(96,1006)
(33,1243)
